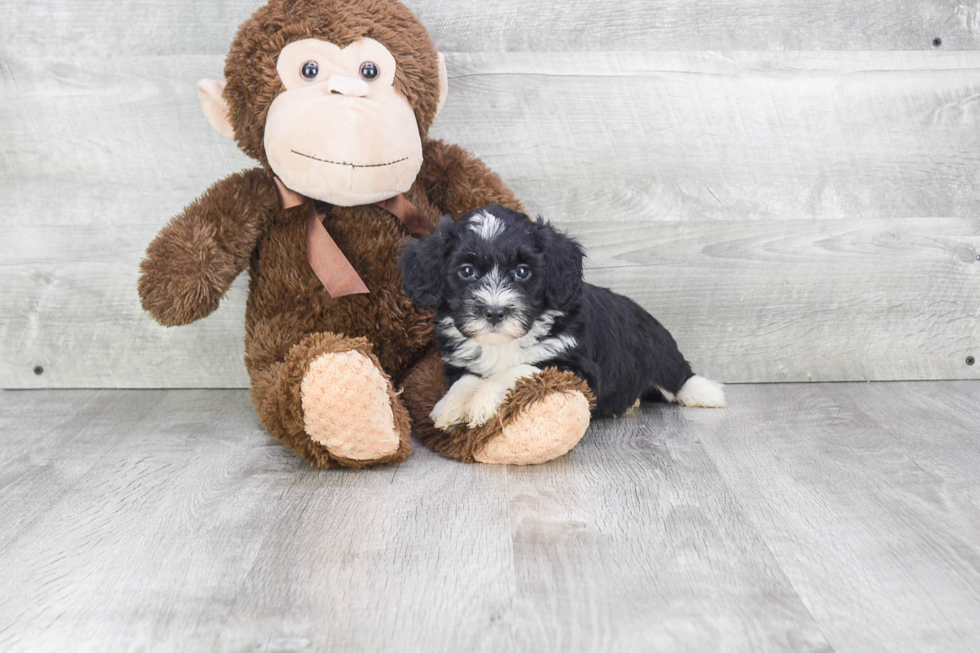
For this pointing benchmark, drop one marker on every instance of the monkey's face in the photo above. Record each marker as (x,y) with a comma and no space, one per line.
(337,115)
(342,132)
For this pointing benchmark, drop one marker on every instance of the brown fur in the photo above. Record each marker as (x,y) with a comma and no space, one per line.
(290,318)
(192,262)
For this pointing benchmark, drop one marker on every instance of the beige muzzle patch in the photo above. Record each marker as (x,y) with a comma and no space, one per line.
(347,150)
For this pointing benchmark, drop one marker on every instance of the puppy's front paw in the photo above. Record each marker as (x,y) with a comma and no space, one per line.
(453,408)
(485,402)
(493,391)
(448,413)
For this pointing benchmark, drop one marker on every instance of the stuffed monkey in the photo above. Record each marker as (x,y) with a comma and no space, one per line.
(334,99)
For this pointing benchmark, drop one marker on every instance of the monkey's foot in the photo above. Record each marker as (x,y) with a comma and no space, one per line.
(543,417)
(349,408)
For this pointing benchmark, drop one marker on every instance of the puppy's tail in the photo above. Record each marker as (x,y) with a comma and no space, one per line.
(701,392)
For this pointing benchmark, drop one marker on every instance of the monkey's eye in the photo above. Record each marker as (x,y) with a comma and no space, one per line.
(467,271)
(522,272)
(369,71)
(310,70)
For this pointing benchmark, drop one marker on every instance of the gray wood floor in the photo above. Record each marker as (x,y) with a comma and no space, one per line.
(840,517)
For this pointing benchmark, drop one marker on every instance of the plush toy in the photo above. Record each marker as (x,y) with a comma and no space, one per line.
(334,99)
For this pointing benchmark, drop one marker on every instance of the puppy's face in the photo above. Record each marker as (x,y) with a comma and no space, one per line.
(494,272)
(494,278)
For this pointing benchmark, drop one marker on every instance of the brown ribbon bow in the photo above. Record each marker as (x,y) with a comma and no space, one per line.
(333,269)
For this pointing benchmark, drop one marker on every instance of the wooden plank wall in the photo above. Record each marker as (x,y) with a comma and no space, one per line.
(792,187)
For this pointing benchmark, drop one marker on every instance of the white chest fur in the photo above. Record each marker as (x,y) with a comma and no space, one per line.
(494,369)
(490,359)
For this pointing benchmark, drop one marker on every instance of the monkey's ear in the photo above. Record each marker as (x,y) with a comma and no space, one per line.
(214,105)
(443,82)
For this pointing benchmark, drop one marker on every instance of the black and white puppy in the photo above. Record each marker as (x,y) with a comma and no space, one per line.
(510,301)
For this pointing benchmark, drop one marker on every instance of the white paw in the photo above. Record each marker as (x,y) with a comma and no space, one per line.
(485,402)
(492,392)
(701,392)
(453,408)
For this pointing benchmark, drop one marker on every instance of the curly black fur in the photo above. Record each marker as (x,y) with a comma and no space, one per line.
(551,317)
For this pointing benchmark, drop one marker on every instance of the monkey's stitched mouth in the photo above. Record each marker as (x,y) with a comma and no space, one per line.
(352,165)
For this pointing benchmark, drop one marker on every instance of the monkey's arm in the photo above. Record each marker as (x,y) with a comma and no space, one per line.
(458,182)
(195,258)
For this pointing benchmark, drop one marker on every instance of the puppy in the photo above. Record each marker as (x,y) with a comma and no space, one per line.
(510,300)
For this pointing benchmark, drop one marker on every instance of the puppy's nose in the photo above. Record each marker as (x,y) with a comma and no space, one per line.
(495,314)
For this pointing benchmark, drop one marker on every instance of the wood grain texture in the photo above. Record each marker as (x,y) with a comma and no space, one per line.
(640,505)
(726,136)
(812,517)
(145,499)
(790,216)
(184,526)
(183,27)
(861,493)
(823,300)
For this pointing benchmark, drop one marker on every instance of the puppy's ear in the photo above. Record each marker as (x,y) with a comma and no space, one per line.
(422,264)
(563,258)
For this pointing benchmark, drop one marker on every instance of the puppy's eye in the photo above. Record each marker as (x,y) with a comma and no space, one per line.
(522,272)
(467,272)
(310,70)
